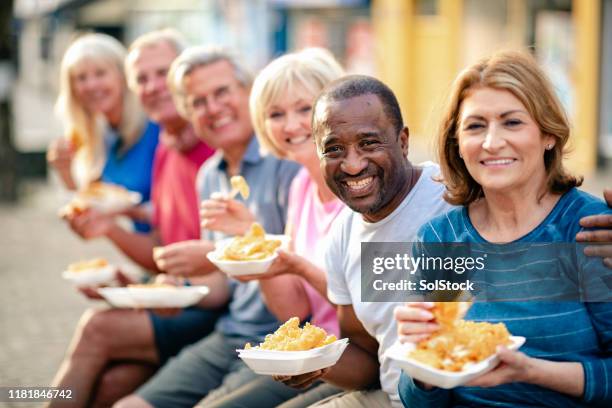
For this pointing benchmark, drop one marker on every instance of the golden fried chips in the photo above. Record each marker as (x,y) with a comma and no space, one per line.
(459,342)
(250,247)
(239,184)
(290,337)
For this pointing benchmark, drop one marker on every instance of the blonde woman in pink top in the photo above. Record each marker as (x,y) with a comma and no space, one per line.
(281,99)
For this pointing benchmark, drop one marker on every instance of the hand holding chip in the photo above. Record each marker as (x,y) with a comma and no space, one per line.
(415,321)
(239,186)
(183,258)
(60,154)
(226,215)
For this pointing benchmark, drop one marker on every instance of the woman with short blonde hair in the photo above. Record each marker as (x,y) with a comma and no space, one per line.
(310,69)
(280,104)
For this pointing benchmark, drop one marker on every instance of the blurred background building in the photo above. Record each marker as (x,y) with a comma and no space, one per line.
(416,46)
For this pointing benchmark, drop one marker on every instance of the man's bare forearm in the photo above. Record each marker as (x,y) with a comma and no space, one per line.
(219,293)
(356,370)
(208,267)
(137,247)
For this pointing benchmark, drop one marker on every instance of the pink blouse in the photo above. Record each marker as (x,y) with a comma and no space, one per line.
(310,220)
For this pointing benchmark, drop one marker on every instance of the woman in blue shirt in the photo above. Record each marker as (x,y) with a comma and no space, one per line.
(501,146)
(107,135)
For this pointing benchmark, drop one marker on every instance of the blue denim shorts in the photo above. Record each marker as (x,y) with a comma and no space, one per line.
(175,332)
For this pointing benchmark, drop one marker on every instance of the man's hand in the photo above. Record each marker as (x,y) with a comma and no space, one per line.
(139,213)
(603,236)
(225,215)
(185,258)
(91,292)
(91,223)
(301,381)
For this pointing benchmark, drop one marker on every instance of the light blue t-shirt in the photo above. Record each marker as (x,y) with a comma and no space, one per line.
(269,180)
(560,331)
(343,262)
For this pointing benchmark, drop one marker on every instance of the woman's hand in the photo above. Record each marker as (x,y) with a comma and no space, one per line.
(91,223)
(285,262)
(514,366)
(565,377)
(225,215)
(414,321)
(60,154)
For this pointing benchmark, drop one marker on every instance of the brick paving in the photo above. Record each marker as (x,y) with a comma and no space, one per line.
(38,309)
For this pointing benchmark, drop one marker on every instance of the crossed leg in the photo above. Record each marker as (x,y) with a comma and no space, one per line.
(103,336)
(119,380)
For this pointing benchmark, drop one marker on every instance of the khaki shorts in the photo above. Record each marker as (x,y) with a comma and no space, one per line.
(356,399)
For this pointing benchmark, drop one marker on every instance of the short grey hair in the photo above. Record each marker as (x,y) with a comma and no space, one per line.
(170,36)
(200,56)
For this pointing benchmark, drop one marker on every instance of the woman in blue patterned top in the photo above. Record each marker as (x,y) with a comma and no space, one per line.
(501,146)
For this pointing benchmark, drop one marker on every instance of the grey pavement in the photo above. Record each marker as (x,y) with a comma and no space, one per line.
(38,309)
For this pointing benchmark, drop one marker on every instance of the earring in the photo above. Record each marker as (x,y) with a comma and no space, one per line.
(549,146)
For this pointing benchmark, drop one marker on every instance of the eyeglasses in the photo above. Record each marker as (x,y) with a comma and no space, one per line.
(219,96)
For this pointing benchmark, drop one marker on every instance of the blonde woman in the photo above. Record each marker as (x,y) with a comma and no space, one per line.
(107,135)
(280,103)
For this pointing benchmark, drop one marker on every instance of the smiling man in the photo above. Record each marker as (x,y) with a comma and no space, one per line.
(363,153)
(363,146)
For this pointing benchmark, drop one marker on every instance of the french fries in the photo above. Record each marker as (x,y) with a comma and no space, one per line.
(86,265)
(239,184)
(250,247)
(459,342)
(290,337)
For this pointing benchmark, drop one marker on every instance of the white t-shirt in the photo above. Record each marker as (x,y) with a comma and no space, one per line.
(343,262)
